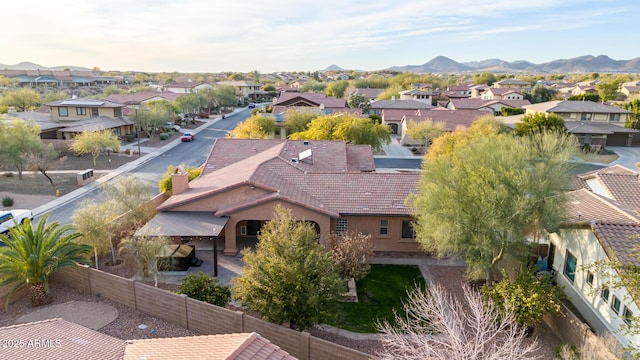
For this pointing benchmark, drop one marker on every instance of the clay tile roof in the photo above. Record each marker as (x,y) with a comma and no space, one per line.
(619,240)
(397,114)
(58,339)
(137,98)
(292,98)
(400,104)
(585,207)
(242,346)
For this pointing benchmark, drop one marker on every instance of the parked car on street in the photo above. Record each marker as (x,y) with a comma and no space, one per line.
(252,105)
(188,136)
(9,219)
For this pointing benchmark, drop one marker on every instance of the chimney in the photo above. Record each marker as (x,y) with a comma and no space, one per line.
(179,181)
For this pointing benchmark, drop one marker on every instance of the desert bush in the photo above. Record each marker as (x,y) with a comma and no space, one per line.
(203,287)
(7,201)
(164,136)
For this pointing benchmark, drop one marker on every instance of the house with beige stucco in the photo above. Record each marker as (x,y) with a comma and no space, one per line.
(328,183)
(602,224)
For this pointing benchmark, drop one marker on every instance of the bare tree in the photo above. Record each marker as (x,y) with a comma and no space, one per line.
(143,252)
(438,326)
(351,254)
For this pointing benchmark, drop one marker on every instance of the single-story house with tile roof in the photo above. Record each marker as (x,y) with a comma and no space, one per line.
(452,119)
(140,98)
(186,87)
(329,183)
(417,95)
(602,223)
(630,90)
(61,339)
(481,104)
(371,94)
(379,105)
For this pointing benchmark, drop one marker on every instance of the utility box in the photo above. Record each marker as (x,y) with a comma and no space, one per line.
(85,177)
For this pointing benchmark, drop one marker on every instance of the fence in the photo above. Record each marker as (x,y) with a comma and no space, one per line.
(199,316)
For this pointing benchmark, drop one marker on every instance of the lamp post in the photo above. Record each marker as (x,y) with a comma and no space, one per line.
(138,131)
(215,253)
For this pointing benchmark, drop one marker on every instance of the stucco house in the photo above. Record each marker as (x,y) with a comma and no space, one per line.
(603,222)
(74,116)
(186,87)
(594,123)
(481,104)
(502,94)
(329,183)
(138,99)
(424,96)
(245,90)
(296,100)
(513,83)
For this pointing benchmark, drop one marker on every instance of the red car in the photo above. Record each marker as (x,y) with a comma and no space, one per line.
(188,136)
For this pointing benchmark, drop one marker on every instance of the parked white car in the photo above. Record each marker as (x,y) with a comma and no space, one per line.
(9,219)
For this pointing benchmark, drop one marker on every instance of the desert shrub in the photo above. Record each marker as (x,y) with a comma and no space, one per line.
(7,201)
(203,287)
(8,174)
(164,136)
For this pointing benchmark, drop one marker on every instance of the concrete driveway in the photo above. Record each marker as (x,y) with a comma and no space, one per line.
(628,156)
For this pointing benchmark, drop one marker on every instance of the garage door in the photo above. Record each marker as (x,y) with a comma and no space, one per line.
(617,140)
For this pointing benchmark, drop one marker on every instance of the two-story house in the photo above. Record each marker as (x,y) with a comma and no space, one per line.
(593,123)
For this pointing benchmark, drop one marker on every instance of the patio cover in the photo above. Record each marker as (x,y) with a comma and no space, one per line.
(184,223)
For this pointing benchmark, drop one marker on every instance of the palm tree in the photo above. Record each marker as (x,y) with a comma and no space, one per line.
(32,254)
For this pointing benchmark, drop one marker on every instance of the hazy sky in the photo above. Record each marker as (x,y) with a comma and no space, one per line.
(302,35)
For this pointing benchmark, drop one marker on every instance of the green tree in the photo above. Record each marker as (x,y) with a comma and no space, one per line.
(351,129)
(485,78)
(255,127)
(336,88)
(22,99)
(313,86)
(372,81)
(52,96)
(19,139)
(290,278)
(164,185)
(540,93)
(391,92)
(92,222)
(508,111)
(31,255)
(111,90)
(540,122)
(191,103)
(633,121)
(203,287)
(143,253)
(236,77)
(530,298)
(425,131)
(298,120)
(608,90)
(95,142)
(585,97)
(359,101)
(153,117)
(485,197)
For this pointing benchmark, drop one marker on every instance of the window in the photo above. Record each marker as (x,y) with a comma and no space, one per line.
(570,266)
(384,227)
(614,117)
(604,294)
(63,111)
(585,117)
(243,230)
(342,226)
(590,278)
(407,230)
(615,304)
(81,111)
(627,315)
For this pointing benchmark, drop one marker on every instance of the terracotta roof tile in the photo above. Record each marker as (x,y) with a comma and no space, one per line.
(58,339)
(239,346)
(291,98)
(619,240)
(585,207)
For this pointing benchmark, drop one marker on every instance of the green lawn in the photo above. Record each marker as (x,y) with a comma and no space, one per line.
(383,290)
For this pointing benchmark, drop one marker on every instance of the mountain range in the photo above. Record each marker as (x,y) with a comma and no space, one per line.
(25,65)
(581,64)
